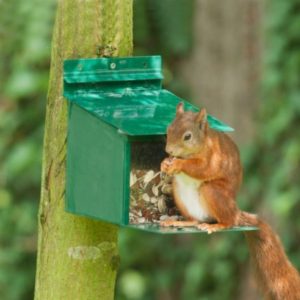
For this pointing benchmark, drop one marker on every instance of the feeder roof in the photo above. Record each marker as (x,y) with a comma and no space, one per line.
(125,93)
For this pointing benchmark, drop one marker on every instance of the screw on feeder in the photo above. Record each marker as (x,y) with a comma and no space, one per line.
(112,66)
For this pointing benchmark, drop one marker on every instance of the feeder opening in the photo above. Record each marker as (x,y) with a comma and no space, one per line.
(150,191)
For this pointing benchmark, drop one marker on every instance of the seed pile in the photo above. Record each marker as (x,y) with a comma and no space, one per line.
(151,198)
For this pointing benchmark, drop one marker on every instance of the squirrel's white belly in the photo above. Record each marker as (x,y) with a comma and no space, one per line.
(187,189)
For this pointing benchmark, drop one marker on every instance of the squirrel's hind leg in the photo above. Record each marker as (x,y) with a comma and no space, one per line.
(221,206)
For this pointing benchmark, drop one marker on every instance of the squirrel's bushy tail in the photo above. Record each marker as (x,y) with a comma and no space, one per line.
(275,274)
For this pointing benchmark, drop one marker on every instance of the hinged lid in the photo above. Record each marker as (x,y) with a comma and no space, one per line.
(125,93)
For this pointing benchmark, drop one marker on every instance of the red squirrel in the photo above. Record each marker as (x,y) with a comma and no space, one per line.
(207,174)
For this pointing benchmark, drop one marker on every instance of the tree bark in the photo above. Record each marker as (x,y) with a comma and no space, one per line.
(224,70)
(77,257)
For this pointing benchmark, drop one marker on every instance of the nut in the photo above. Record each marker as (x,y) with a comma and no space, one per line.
(155,190)
(141,220)
(146,197)
(163,217)
(153,200)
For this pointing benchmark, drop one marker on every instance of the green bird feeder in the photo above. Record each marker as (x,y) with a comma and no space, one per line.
(118,115)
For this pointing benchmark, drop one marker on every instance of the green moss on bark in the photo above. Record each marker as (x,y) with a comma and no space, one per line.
(77,257)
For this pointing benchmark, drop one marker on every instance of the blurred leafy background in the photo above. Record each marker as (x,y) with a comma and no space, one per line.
(152,267)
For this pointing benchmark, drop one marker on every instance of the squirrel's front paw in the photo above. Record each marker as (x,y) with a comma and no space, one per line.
(171,166)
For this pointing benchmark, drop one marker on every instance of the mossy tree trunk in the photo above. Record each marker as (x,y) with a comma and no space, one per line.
(77,257)
(224,70)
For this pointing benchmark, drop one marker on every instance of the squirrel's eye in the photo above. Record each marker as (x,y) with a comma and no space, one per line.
(187,136)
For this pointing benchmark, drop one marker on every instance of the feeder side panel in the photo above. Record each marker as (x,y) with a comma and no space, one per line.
(95,168)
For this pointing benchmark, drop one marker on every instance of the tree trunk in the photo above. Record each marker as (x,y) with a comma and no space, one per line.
(77,257)
(224,70)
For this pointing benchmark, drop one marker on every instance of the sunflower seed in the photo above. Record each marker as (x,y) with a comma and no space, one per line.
(146,197)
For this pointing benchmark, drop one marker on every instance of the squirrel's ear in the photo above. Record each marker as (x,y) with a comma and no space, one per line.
(179,109)
(202,118)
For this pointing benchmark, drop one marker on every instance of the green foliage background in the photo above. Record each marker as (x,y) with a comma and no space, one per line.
(152,267)
(25,34)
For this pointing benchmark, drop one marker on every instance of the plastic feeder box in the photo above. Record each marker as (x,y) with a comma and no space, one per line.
(118,115)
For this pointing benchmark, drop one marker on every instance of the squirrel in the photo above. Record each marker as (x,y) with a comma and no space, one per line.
(207,174)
